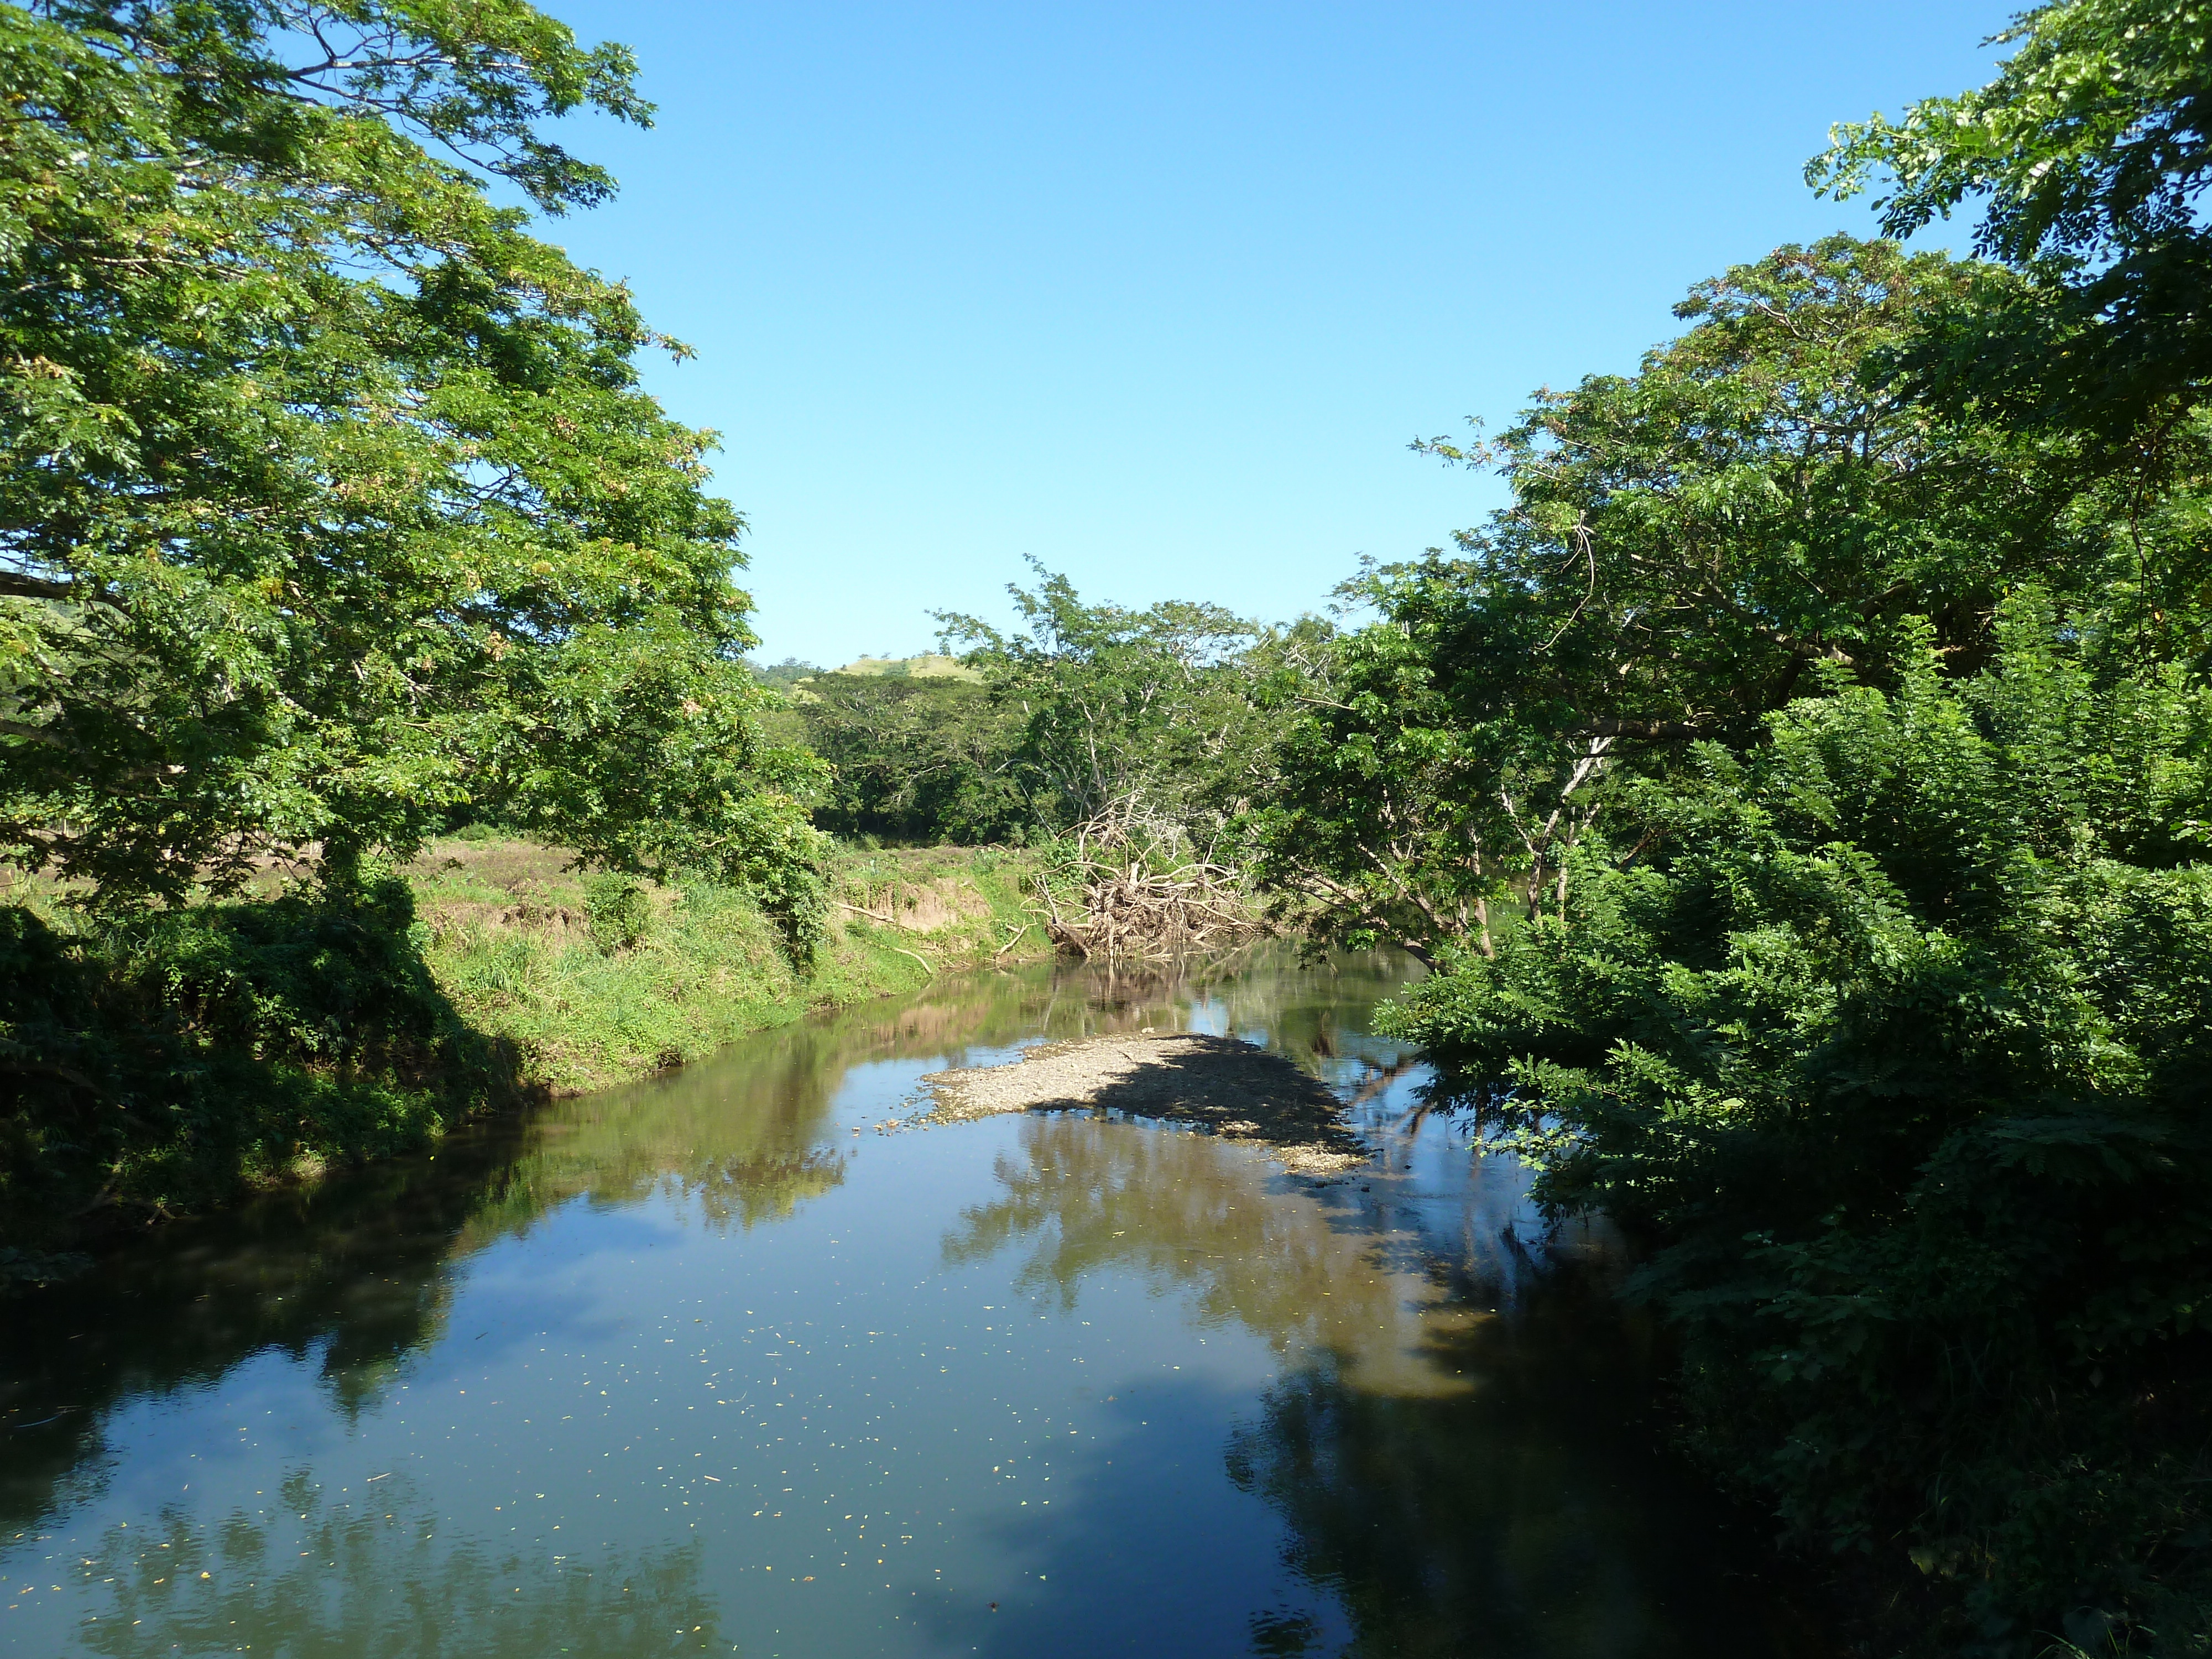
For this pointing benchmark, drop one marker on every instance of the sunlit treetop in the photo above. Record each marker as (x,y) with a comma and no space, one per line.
(2088,156)
(2091,144)
(329,501)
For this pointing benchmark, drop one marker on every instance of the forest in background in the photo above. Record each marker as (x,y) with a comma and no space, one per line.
(1802,790)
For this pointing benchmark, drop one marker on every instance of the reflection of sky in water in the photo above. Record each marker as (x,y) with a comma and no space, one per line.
(695,1367)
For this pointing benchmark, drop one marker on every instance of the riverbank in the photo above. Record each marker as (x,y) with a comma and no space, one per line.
(509,938)
(181,1060)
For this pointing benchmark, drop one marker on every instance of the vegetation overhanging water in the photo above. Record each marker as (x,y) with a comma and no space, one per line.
(719,1363)
(1801,783)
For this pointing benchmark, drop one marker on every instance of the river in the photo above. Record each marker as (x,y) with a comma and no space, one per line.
(720,1363)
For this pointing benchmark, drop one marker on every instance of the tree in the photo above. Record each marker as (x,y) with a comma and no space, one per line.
(2088,153)
(1115,702)
(1384,817)
(1888,1040)
(329,503)
(785,674)
(923,760)
(1867,980)
(1687,549)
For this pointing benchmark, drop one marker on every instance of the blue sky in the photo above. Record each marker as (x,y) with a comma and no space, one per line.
(1158,292)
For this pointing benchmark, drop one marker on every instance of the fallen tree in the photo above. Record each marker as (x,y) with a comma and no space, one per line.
(1129,884)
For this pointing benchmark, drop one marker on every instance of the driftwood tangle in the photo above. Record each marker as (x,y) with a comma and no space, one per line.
(1145,894)
(1216,1082)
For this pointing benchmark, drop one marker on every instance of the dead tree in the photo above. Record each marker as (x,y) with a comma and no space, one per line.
(1134,887)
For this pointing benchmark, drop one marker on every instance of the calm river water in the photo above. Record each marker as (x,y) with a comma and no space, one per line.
(693,1367)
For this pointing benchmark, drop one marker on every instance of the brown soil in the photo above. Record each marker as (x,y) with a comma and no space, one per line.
(1230,1088)
(924,908)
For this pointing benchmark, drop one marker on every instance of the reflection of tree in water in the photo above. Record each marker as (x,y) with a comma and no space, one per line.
(1459,1481)
(1214,1218)
(744,1135)
(324,1579)
(354,1277)
(1311,1012)
(746,1144)
(1526,1518)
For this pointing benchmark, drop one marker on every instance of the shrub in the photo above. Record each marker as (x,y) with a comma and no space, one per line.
(620,909)
(172,1058)
(1894,1045)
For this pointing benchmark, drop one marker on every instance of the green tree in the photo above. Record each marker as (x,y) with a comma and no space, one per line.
(918,760)
(1380,820)
(785,674)
(2088,155)
(329,503)
(1687,549)
(1116,703)
(1890,1040)
(1869,991)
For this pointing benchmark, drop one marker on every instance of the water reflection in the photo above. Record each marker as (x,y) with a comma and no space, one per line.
(1295,1264)
(1454,1481)
(352,1280)
(1513,1518)
(748,1146)
(694,1366)
(334,1578)
(354,1275)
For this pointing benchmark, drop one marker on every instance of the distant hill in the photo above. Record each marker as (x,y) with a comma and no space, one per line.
(925,667)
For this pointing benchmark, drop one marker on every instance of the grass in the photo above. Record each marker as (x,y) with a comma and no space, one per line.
(177,1060)
(510,942)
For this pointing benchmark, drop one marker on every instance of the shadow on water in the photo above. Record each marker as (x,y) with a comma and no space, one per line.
(1516,1519)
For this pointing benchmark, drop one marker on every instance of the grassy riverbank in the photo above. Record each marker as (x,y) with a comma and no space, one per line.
(509,940)
(189,1056)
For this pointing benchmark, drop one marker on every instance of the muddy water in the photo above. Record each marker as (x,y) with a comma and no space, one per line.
(718,1364)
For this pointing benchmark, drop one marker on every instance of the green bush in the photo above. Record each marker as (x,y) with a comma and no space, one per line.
(620,909)
(1893,1045)
(916,760)
(175,1057)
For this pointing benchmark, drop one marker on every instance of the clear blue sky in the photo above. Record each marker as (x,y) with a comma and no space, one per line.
(1158,292)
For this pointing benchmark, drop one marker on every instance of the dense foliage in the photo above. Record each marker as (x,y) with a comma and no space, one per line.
(1891,1042)
(1117,705)
(2087,155)
(1688,548)
(170,1057)
(1804,787)
(328,503)
(330,512)
(916,760)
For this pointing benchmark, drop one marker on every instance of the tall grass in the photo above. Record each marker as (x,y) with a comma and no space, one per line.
(514,943)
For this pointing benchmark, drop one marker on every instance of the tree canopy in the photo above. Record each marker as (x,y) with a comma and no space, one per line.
(1687,549)
(329,500)
(1828,709)
(2088,156)
(1114,702)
